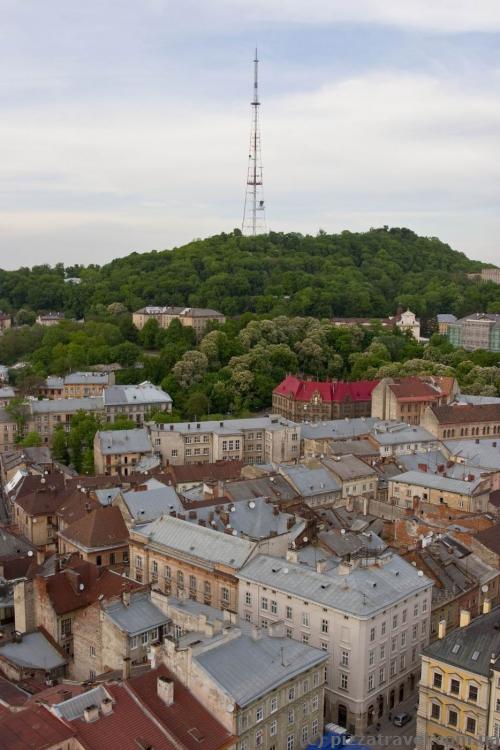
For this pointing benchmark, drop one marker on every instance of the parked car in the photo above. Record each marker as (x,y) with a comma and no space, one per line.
(400,720)
(343,736)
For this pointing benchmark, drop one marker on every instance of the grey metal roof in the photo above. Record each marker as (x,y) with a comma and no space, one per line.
(437,482)
(66,405)
(34,651)
(6,391)
(309,482)
(256,518)
(445,318)
(107,496)
(274,486)
(81,378)
(124,441)
(199,542)
(466,398)
(433,459)
(349,467)
(395,433)
(338,429)
(138,616)
(53,381)
(484,453)
(248,668)
(11,545)
(195,608)
(146,505)
(144,393)
(229,426)
(74,707)
(363,592)
(470,647)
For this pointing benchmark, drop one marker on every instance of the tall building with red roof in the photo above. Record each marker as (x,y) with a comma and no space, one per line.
(406,399)
(315,401)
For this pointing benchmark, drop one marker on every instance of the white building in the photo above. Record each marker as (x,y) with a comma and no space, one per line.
(370,612)
(409,322)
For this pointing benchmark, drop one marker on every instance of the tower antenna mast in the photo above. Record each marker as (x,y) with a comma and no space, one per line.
(254,221)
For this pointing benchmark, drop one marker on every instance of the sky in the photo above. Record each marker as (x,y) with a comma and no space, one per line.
(124,124)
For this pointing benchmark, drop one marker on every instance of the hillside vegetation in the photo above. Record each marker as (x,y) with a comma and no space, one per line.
(349,274)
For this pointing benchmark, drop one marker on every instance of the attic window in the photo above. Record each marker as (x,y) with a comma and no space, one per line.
(455,649)
(196,734)
(475,656)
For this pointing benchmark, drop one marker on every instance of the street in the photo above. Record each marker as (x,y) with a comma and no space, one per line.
(391,736)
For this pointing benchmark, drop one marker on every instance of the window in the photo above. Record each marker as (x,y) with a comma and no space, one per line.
(372,634)
(154,634)
(403,616)
(371,657)
(305,734)
(289,633)
(274,607)
(473,693)
(424,605)
(274,704)
(395,621)
(92,651)
(112,558)
(224,595)
(289,613)
(403,639)
(383,628)
(180,580)
(324,625)
(264,604)
(394,643)
(452,718)
(424,627)
(371,681)
(291,716)
(167,572)
(435,711)
(66,627)
(414,632)
(192,585)
(314,727)
(323,645)
(381,675)
(345,658)
(291,694)
(343,681)
(470,725)
(259,738)
(144,638)
(454,686)
(315,703)
(290,742)
(259,714)
(273,728)
(403,661)
(382,651)
(174,453)
(393,667)
(138,562)
(133,642)
(305,619)
(305,638)
(248,597)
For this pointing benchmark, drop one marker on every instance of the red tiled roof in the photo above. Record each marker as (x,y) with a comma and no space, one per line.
(329,391)
(186,717)
(206,472)
(16,567)
(75,506)
(490,538)
(11,694)
(33,482)
(458,413)
(415,389)
(102,527)
(63,589)
(34,728)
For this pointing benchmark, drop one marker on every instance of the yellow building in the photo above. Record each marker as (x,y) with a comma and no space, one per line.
(195,317)
(456,684)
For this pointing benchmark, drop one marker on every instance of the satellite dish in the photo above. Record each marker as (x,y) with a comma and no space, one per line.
(251,504)
(420,573)
(305,539)
(81,586)
(484,588)
(285,570)
(30,553)
(230,708)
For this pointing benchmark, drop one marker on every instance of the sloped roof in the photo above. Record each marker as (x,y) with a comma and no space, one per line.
(144,393)
(458,413)
(34,651)
(34,728)
(43,501)
(206,472)
(329,391)
(138,615)
(75,506)
(124,441)
(413,388)
(490,538)
(101,527)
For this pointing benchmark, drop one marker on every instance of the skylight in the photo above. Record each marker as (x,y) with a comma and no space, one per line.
(475,656)
(456,648)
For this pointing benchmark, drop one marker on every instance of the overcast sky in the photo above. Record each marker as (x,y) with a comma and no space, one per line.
(124,123)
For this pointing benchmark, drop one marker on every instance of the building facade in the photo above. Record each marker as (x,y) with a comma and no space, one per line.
(313,401)
(405,399)
(478,331)
(195,317)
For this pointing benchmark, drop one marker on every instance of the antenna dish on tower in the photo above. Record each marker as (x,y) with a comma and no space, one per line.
(254,221)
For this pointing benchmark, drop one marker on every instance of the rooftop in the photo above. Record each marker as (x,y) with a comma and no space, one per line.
(397,433)
(34,651)
(99,528)
(112,442)
(66,405)
(426,388)
(363,592)
(135,615)
(348,467)
(338,429)
(490,538)
(206,472)
(458,413)
(146,505)
(439,482)
(144,393)
(228,426)
(310,482)
(327,391)
(82,378)
(32,729)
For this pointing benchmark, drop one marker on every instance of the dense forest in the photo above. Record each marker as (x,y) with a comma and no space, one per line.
(349,274)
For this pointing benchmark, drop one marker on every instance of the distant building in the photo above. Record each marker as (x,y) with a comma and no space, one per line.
(50,318)
(406,398)
(195,317)
(415,489)
(100,536)
(84,384)
(119,451)
(408,322)
(135,401)
(313,401)
(486,274)
(477,331)
(455,421)
(5,322)
(443,321)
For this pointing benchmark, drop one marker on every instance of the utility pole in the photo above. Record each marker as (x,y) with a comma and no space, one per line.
(254,221)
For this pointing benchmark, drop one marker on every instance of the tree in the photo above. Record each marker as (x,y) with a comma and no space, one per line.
(191,368)
(59,447)
(17,409)
(197,405)
(32,440)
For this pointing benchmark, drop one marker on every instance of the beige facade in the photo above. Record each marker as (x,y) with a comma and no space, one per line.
(406,399)
(409,491)
(253,441)
(195,317)
(462,421)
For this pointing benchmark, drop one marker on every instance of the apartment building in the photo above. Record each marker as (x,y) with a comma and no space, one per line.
(117,452)
(49,319)
(413,489)
(182,558)
(369,613)
(85,384)
(195,317)
(313,401)
(254,441)
(459,420)
(355,475)
(477,331)
(135,402)
(99,536)
(405,399)
(443,322)
(265,689)
(456,685)
(399,439)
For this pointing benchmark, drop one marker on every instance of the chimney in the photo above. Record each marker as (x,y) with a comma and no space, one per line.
(155,655)
(106,706)
(165,689)
(441,629)
(464,618)
(126,668)
(486,606)
(321,566)
(256,633)
(365,506)
(40,557)
(277,629)
(422,467)
(291,556)
(126,598)
(91,713)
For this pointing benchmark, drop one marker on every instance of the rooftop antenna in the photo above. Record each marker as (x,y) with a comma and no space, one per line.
(254,221)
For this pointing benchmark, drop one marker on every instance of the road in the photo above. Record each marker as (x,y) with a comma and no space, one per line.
(390,736)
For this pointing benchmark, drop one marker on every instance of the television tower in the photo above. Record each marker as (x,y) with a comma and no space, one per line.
(254,221)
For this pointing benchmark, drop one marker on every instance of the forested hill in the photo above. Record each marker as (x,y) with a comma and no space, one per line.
(349,274)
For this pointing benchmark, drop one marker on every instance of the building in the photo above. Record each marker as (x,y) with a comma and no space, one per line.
(195,317)
(443,322)
(50,318)
(5,322)
(34,513)
(135,402)
(486,274)
(182,558)
(52,387)
(313,401)
(477,331)
(265,689)
(47,415)
(316,487)
(37,726)
(183,477)
(405,399)
(85,384)
(355,475)
(32,655)
(408,322)
(369,613)
(22,461)
(100,536)
(254,441)
(398,438)
(455,687)
(415,489)
(119,451)
(458,420)
(114,629)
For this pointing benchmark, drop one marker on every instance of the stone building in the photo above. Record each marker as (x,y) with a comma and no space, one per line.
(313,401)
(195,317)
(413,489)
(405,399)
(100,536)
(477,331)
(458,420)
(408,321)
(369,614)
(117,452)
(184,558)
